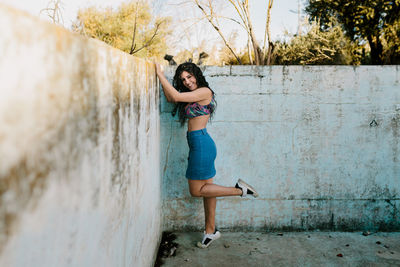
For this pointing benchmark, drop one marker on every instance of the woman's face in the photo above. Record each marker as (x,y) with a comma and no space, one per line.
(188,80)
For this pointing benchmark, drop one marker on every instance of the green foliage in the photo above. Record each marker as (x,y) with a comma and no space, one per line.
(317,47)
(391,44)
(226,57)
(117,28)
(231,60)
(362,20)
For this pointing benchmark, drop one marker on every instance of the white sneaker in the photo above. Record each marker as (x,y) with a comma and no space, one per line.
(208,239)
(246,188)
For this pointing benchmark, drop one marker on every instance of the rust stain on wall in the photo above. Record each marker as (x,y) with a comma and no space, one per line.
(22,185)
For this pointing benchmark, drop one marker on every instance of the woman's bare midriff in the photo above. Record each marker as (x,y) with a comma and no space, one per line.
(198,123)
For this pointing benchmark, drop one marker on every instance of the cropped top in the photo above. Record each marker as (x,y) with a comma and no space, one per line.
(195,109)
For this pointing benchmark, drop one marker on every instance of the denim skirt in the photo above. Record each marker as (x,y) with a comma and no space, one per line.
(202,154)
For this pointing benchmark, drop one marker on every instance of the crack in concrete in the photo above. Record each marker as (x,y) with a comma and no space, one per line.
(167,153)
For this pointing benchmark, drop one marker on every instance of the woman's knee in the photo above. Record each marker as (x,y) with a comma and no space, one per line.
(196,187)
(195,192)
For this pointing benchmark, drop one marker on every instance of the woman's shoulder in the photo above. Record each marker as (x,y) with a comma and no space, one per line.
(206,89)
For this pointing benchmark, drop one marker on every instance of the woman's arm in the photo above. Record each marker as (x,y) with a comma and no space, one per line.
(165,83)
(173,95)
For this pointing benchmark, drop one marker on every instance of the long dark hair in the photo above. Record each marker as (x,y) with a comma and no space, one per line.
(194,70)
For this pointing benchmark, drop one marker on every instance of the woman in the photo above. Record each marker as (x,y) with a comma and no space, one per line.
(196,103)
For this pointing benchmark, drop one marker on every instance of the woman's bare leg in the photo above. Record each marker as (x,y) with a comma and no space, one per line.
(210,204)
(206,188)
(209,192)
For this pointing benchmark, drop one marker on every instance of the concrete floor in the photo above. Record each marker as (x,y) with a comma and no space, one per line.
(289,249)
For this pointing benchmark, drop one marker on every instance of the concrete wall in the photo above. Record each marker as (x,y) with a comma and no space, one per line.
(321,145)
(79,150)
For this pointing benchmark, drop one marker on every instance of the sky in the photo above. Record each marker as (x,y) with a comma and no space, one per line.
(284,16)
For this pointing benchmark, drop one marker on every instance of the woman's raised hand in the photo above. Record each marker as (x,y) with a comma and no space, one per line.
(159,69)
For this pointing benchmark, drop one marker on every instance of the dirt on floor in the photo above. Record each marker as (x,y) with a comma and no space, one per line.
(285,249)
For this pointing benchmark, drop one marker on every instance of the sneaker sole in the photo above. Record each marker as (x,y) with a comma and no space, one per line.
(255,194)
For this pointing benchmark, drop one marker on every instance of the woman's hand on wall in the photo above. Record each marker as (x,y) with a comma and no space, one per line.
(159,69)
(167,87)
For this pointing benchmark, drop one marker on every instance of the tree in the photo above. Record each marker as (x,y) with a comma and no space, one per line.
(242,10)
(267,35)
(54,11)
(226,58)
(131,28)
(316,47)
(213,19)
(391,44)
(362,20)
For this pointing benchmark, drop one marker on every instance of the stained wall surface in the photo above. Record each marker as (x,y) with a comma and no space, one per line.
(79,150)
(320,144)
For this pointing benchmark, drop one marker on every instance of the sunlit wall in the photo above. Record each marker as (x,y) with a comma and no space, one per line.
(79,150)
(320,143)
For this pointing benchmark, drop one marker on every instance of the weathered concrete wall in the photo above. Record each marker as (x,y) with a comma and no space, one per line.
(321,145)
(79,150)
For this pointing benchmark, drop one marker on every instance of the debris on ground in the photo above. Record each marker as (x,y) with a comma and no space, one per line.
(344,248)
(366,233)
(378,242)
(280,234)
(171,252)
(167,248)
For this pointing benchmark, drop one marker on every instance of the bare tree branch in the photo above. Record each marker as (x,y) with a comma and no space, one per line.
(242,10)
(268,33)
(133,46)
(239,12)
(209,18)
(258,54)
(180,3)
(54,11)
(149,41)
(249,51)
